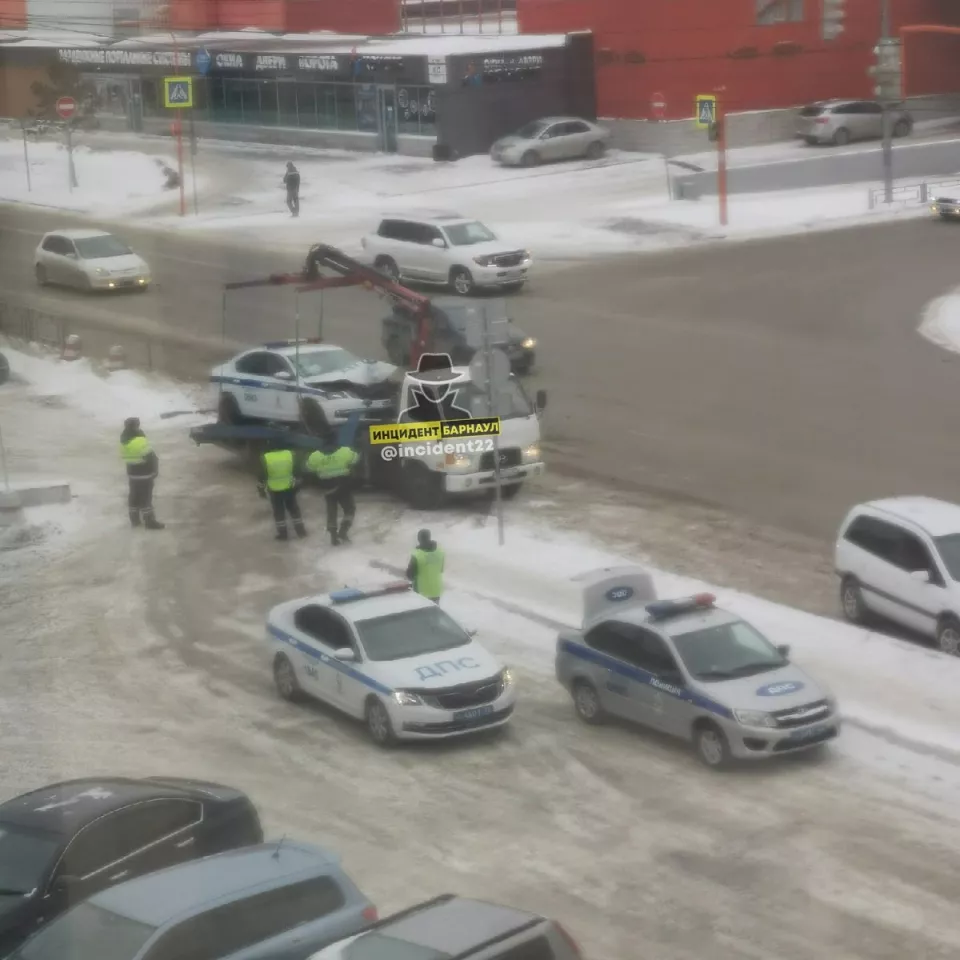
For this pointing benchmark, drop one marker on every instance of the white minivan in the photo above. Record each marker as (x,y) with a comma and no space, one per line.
(899,559)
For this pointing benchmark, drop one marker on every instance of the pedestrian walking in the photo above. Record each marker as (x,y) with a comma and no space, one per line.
(425,569)
(292,182)
(334,471)
(143,467)
(278,483)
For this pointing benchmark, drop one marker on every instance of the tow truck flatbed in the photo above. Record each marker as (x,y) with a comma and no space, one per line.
(232,436)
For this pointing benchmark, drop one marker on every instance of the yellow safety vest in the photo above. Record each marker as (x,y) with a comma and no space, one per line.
(429,580)
(330,466)
(279,465)
(135,451)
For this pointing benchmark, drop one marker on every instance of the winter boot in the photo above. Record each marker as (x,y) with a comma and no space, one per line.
(282,534)
(134,518)
(344,532)
(334,538)
(151,522)
(300,529)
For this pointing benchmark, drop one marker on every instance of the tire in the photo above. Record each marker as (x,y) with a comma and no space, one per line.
(811,141)
(851,601)
(314,419)
(902,128)
(388,267)
(596,150)
(511,492)
(523,367)
(228,410)
(841,138)
(41,273)
(948,636)
(285,679)
(422,488)
(530,159)
(586,703)
(461,281)
(378,724)
(711,746)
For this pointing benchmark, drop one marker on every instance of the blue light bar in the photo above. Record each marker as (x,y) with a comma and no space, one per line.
(352,594)
(663,609)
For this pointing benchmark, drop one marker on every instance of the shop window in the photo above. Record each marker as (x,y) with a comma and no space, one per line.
(216,102)
(232,101)
(327,105)
(152,98)
(416,110)
(779,11)
(269,115)
(365,109)
(288,99)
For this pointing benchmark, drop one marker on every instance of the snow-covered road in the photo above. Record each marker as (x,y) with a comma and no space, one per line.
(144,654)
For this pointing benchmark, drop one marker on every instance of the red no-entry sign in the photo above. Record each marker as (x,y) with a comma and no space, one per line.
(658,104)
(66,107)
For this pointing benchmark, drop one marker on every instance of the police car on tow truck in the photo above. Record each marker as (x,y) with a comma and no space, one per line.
(689,669)
(275,381)
(389,657)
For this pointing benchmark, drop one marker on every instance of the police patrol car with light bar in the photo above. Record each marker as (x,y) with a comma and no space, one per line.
(689,669)
(391,658)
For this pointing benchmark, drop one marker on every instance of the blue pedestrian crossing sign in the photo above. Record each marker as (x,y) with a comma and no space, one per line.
(178,92)
(705,110)
(203,61)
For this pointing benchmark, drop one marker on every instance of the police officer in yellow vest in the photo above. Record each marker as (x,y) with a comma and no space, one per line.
(142,469)
(278,481)
(425,569)
(335,473)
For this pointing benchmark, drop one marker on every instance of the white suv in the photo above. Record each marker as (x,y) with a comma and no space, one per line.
(446,249)
(900,559)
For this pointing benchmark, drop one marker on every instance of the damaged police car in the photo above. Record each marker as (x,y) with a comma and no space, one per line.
(687,668)
(391,658)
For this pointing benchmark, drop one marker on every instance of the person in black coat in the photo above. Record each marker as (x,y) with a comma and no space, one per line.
(292,182)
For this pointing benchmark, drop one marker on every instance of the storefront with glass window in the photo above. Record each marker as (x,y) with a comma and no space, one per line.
(359,97)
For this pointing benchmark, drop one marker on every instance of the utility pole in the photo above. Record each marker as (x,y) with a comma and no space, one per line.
(887,74)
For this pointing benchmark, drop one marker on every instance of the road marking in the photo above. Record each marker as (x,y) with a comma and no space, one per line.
(847,153)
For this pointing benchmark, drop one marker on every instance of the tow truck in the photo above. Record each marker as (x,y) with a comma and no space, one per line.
(424,474)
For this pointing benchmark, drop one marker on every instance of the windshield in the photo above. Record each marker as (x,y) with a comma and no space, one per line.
(531,130)
(376,946)
(25,858)
(99,248)
(949,550)
(410,634)
(317,363)
(467,234)
(509,402)
(727,651)
(87,931)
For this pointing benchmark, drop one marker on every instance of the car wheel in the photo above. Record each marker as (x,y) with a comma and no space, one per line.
(595,151)
(379,725)
(841,138)
(228,410)
(285,679)
(388,267)
(902,127)
(948,636)
(586,702)
(511,492)
(313,418)
(461,281)
(711,745)
(422,488)
(41,271)
(522,367)
(851,601)
(811,141)
(530,159)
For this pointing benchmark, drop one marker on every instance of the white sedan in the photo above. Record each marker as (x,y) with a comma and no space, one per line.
(90,260)
(391,658)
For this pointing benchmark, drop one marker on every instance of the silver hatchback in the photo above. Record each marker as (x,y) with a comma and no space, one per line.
(838,122)
(688,669)
(554,138)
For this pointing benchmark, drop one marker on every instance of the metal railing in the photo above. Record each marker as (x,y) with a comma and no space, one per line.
(910,194)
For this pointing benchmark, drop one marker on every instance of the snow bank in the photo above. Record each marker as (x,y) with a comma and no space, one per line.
(108,397)
(941,321)
(109,182)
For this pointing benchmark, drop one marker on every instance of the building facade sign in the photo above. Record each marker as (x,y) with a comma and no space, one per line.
(270,62)
(321,64)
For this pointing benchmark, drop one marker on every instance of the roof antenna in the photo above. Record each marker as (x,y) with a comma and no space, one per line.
(276,853)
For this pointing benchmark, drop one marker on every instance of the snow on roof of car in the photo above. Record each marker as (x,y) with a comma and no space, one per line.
(382,606)
(938,518)
(79,234)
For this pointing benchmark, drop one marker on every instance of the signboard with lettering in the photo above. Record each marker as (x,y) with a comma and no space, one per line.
(228,61)
(124,58)
(324,64)
(270,62)
(513,67)
(437,70)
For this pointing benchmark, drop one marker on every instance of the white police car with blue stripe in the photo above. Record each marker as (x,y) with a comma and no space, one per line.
(686,668)
(391,658)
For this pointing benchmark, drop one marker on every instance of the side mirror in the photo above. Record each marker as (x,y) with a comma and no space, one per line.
(921,576)
(784,650)
(345,655)
(541,399)
(437,242)
(283,375)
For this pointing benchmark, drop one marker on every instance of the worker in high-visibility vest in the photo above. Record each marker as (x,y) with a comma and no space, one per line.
(425,569)
(334,471)
(143,466)
(278,482)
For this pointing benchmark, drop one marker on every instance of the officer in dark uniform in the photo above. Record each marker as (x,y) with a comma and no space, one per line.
(278,481)
(143,467)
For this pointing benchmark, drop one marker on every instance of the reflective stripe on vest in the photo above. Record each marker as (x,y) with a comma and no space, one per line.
(135,451)
(329,466)
(429,582)
(279,464)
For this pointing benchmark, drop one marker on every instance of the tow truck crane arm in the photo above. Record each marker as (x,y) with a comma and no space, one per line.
(350,273)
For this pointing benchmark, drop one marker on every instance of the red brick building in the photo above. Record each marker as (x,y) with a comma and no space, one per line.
(755,54)
(367,17)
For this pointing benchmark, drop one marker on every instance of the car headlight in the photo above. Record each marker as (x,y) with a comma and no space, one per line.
(403,698)
(529,343)
(506,677)
(526,254)
(483,261)
(532,452)
(754,718)
(102,272)
(459,461)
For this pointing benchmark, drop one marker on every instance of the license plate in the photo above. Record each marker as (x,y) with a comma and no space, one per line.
(810,734)
(473,714)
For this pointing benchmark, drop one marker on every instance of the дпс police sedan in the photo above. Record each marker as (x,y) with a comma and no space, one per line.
(392,658)
(687,668)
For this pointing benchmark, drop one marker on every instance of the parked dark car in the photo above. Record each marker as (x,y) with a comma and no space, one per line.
(457,328)
(65,842)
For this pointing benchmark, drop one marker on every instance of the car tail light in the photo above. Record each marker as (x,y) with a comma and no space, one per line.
(370,914)
(820,120)
(568,940)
